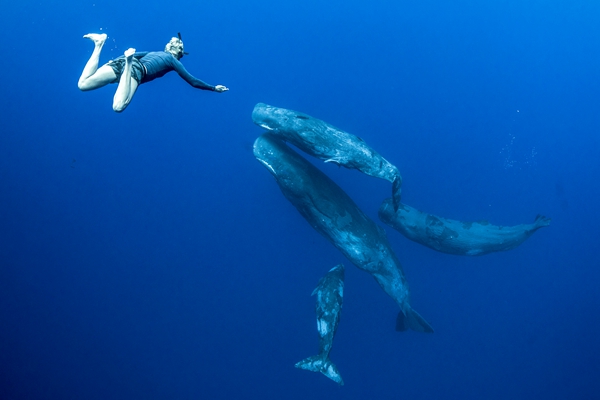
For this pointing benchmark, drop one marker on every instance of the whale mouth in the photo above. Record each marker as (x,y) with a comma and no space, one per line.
(267,127)
(269,167)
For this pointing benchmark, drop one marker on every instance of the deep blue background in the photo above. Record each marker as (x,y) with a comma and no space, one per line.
(148,255)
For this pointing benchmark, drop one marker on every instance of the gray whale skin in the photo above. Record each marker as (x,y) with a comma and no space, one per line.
(326,142)
(330,295)
(456,237)
(332,213)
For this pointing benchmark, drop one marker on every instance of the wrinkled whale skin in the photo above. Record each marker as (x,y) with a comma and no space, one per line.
(456,237)
(330,294)
(332,213)
(327,143)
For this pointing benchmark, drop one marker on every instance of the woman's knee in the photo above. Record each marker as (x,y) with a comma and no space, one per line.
(119,107)
(83,85)
(89,84)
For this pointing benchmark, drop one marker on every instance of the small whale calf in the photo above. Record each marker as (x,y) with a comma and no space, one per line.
(332,213)
(326,142)
(456,237)
(330,293)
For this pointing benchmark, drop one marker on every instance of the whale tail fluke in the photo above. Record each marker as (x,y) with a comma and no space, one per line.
(396,192)
(541,221)
(322,364)
(410,319)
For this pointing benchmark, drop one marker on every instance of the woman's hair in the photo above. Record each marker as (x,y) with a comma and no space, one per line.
(175,47)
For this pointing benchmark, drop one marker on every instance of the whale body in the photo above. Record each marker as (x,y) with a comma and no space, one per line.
(326,142)
(330,294)
(456,237)
(332,213)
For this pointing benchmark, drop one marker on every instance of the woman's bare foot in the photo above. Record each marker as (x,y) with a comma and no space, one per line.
(97,38)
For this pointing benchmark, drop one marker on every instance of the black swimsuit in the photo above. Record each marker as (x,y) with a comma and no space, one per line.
(138,71)
(147,66)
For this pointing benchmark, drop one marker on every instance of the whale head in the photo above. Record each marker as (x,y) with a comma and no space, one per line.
(275,118)
(276,156)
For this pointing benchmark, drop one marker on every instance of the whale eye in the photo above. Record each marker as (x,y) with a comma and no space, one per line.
(301,117)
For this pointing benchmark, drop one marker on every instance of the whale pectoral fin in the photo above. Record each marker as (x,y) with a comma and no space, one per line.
(412,320)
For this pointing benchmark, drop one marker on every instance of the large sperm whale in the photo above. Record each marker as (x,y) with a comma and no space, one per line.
(330,295)
(326,142)
(456,237)
(332,213)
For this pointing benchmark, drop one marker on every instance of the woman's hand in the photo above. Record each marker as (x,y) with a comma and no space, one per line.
(221,88)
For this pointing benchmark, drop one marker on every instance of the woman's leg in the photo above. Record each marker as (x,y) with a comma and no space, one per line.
(127,85)
(92,78)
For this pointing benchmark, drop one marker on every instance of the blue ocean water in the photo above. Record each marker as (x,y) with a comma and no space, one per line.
(148,255)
